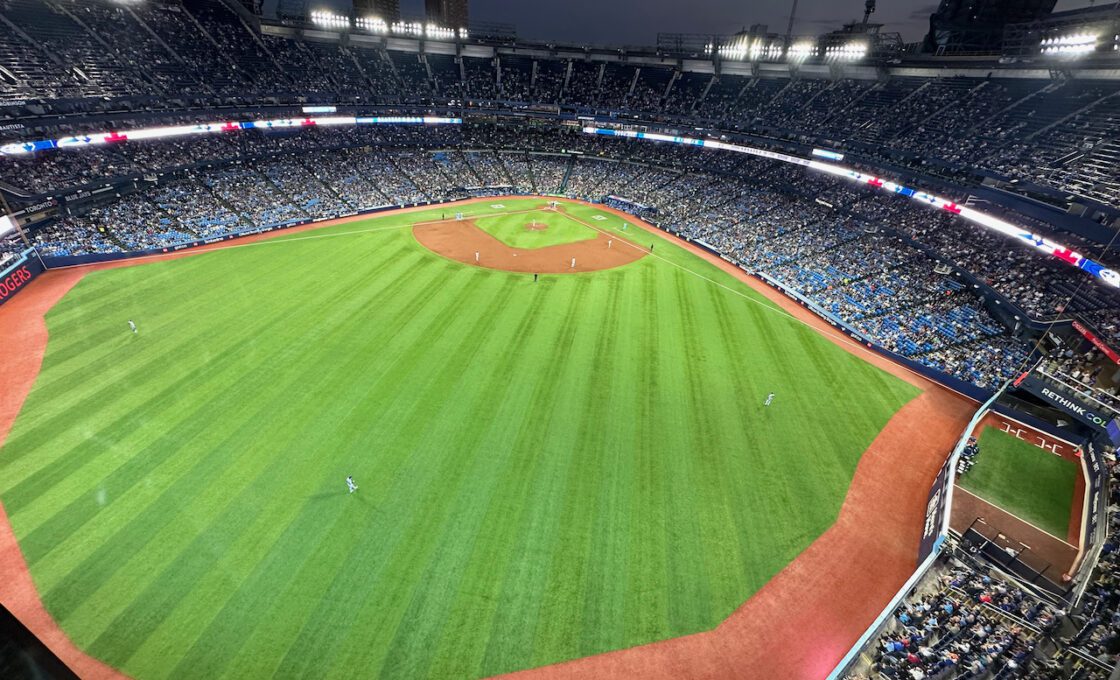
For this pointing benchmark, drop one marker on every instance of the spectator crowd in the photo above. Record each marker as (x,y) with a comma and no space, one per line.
(912,280)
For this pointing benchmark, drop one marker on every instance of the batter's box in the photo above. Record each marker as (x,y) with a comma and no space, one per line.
(497,206)
(600,218)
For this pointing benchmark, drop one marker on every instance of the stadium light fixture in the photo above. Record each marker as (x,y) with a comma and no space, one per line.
(746,47)
(853,51)
(329,19)
(734,50)
(372,24)
(413,28)
(438,32)
(802,50)
(1072,45)
(767,50)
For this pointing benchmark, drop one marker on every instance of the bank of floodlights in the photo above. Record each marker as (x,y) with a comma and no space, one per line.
(734,50)
(412,28)
(1072,45)
(329,19)
(753,49)
(853,51)
(802,50)
(770,52)
(372,24)
(438,32)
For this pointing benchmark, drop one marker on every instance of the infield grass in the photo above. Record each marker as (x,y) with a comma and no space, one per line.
(512,229)
(547,470)
(1030,483)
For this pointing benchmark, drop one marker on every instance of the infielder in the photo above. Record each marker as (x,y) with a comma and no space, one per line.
(350,484)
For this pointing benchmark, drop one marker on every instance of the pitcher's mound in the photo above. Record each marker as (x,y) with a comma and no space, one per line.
(536,226)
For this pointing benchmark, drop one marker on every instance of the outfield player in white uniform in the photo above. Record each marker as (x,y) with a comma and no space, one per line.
(351,485)
(132,325)
(769,398)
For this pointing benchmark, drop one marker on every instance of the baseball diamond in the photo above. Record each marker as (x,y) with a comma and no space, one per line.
(511,514)
(337,342)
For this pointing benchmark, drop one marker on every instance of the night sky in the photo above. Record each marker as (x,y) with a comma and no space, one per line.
(637,22)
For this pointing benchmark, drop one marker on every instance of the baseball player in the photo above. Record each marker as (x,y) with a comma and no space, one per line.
(769,399)
(132,325)
(350,484)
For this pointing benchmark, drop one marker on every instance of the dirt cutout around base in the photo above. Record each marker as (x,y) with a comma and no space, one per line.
(463,241)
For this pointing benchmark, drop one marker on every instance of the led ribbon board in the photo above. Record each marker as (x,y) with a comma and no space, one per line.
(167,132)
(1047,246)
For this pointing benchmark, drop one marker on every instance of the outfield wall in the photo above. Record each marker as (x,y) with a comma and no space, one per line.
(19,274)
(939,500)
(969,390)
(934,535)
(53,262)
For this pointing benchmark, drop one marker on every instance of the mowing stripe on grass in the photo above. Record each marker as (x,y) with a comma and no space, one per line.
(546,470)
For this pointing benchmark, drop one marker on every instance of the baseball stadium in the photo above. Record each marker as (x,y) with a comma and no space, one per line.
(337,344)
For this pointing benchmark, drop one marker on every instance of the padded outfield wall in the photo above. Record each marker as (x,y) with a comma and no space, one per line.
(19,274)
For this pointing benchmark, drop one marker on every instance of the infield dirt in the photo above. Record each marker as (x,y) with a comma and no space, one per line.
(459,240)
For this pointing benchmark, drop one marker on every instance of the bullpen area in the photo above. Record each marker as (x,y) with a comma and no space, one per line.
(1034,484)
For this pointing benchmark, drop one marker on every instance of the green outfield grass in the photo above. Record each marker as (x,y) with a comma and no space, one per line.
(1030,483)
(547,470)
(510,229)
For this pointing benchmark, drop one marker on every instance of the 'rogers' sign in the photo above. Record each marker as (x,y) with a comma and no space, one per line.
(13,282)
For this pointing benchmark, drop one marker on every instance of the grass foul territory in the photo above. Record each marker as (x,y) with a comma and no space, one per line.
(1030,483)
(545,470)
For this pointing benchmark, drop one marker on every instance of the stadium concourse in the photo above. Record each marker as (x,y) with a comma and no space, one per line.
(967,307)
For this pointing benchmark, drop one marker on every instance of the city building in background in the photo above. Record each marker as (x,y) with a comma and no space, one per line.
(1075,34)
(449,13)
(388,10)
(962,26)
